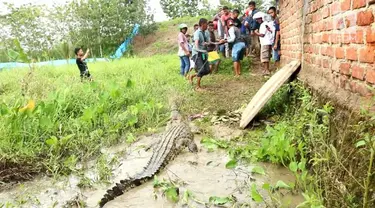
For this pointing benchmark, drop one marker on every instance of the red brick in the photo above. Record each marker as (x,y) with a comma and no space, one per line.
(370,76)
(370,36)
(359,36)
(340,53)
(325,12)
(347,37)
(351,54)
(336,38)
(345,68)
(325,38)
(367,54)
(359,3)
(345,5)
(351,19)
(329,25)
(358,72)
(329,51)
(365,18)
(339,23)
(335,8)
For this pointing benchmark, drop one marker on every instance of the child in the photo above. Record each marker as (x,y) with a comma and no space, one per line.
(183,50)
(82,64)
(212,49)
(266,38)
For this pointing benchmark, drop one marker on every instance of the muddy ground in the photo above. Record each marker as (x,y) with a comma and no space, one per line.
(204,174)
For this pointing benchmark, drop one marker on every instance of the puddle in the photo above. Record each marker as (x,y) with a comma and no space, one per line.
(204,174)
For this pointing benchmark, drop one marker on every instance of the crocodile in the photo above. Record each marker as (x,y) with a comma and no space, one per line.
(176,137)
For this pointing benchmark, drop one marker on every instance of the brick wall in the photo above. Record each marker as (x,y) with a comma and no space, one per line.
(334,39)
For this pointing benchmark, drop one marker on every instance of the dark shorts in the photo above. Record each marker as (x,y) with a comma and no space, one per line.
(85,74)
(201,64)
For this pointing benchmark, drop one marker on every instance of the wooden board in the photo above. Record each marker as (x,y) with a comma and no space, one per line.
(266,92)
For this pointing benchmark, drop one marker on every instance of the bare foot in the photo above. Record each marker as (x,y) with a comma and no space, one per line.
(191,79)
(199,89)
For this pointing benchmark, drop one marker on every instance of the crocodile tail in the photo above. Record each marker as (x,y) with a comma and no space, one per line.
(123,187)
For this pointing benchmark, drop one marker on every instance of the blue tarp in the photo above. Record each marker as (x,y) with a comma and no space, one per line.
(9,65)
(124,46)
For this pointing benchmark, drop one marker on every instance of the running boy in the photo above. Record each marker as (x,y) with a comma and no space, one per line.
(82,64)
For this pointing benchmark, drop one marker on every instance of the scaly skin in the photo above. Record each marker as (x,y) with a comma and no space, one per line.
(174,140)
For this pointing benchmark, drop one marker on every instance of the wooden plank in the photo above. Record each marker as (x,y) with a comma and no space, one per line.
(266,91)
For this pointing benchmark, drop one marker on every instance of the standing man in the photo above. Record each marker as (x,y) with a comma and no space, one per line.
(224,18)
(82,64)
(234,17)
(183,49)
(253,26)
(266,37)
(276,44)
(200,55)
(238,47)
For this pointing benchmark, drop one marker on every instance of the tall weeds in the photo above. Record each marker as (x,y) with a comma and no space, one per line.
(60,121)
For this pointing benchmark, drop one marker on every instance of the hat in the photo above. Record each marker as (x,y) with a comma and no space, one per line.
(259,15)
(230,22)
(181,26)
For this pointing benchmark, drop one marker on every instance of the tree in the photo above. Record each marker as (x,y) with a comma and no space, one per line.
(174,9)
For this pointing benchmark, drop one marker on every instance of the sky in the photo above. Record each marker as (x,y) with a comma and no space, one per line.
(159,15)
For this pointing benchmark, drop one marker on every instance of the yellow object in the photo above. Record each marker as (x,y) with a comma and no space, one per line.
(30,106)
(213,56)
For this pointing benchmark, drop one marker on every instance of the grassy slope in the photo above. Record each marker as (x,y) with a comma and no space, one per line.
(104,112)
(129,95)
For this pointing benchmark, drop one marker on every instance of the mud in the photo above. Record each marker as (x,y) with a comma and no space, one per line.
(204,174)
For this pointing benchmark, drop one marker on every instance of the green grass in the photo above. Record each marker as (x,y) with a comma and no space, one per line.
(71,120)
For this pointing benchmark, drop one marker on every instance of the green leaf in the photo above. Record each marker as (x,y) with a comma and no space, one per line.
(266,186)
(360,143)
(293,167)
(52,141)
(130,138)
(156,182)
(220,200)
(171,194)
(258,169)
(282,184)
(231,164)
(130,83)
(66,139)
(255,194)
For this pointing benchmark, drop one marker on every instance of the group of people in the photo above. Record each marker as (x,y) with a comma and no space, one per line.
(254,33)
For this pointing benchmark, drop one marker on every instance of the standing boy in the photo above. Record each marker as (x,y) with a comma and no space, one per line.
(276,44)
(200,55)
(266,37)
(212,49)
(82,64)
(183,50)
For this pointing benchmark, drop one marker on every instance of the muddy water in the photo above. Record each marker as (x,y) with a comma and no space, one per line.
(204,174)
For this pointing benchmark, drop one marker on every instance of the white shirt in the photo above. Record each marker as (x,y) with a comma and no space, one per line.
(268,36)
